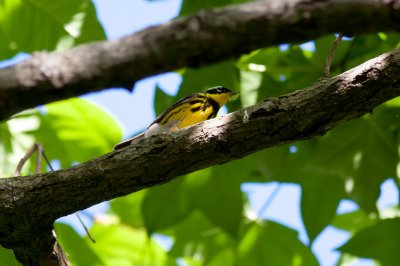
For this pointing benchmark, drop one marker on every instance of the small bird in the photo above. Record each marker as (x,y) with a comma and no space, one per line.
(189,110)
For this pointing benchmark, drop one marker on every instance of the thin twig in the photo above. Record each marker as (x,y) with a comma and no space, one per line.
(328,62)
(24,159)
(47,161)
(85,228)
(39,158)
(269,200)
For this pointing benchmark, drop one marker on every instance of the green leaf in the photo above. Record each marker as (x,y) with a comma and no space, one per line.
(354,221)
(76,130)
(122,245)
(380,241)
(361,152)
(271,243)
(7,257)
(128,208)
(78,250)
(197,237)
(216,193)
(319,200)
(189,6)
(62,24)
(165,205)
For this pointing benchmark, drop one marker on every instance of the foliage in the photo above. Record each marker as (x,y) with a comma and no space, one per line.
(206,213)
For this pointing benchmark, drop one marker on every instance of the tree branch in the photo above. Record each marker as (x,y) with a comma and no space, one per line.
(202,39)
(31,204)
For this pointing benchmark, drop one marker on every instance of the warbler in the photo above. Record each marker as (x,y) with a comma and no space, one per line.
(189,110)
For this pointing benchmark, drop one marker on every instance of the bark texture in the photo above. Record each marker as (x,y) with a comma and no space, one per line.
(204,38)
(29,205)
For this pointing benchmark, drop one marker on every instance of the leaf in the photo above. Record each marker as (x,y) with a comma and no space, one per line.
(320,198)
(165,205)
(362,153)
(380,242)
(78,250)
(76,130)
(189,7)
(197,237)
(62,24)
(270,243)
(354,221)
(128,209)
(217,195)
(7,257)
(122,245)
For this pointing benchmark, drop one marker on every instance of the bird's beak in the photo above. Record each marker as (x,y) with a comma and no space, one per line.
(234,96)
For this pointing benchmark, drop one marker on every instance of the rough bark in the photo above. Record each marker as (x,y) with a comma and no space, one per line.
(29,205)
(204,38)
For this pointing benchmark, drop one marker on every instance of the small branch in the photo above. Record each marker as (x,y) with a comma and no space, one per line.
(85,228)
(202,39)
(24,159)
(329,59)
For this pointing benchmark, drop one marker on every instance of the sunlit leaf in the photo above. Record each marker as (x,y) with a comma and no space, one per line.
(76,130)
(7,257)
(122,245)
(55,25)
(128,208)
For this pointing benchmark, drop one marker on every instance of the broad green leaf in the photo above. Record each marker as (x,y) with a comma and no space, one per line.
(76,130)
(7,257)
(190,6)
(361,152)
(217,195)
(380,241)
(122,245)
(197,237)
(128,208)
(165,205)
(320,197)
(78,250)
(354,221)
(271,243)
(54,24)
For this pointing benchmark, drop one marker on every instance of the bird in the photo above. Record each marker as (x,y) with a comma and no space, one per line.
(187,111)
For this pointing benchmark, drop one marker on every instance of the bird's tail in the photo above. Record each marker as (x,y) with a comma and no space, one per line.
(128,142)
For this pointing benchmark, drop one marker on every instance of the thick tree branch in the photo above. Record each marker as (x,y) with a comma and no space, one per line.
(29,205)
(204,38)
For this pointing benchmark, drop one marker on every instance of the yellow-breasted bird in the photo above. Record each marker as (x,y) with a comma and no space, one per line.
(189,110)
